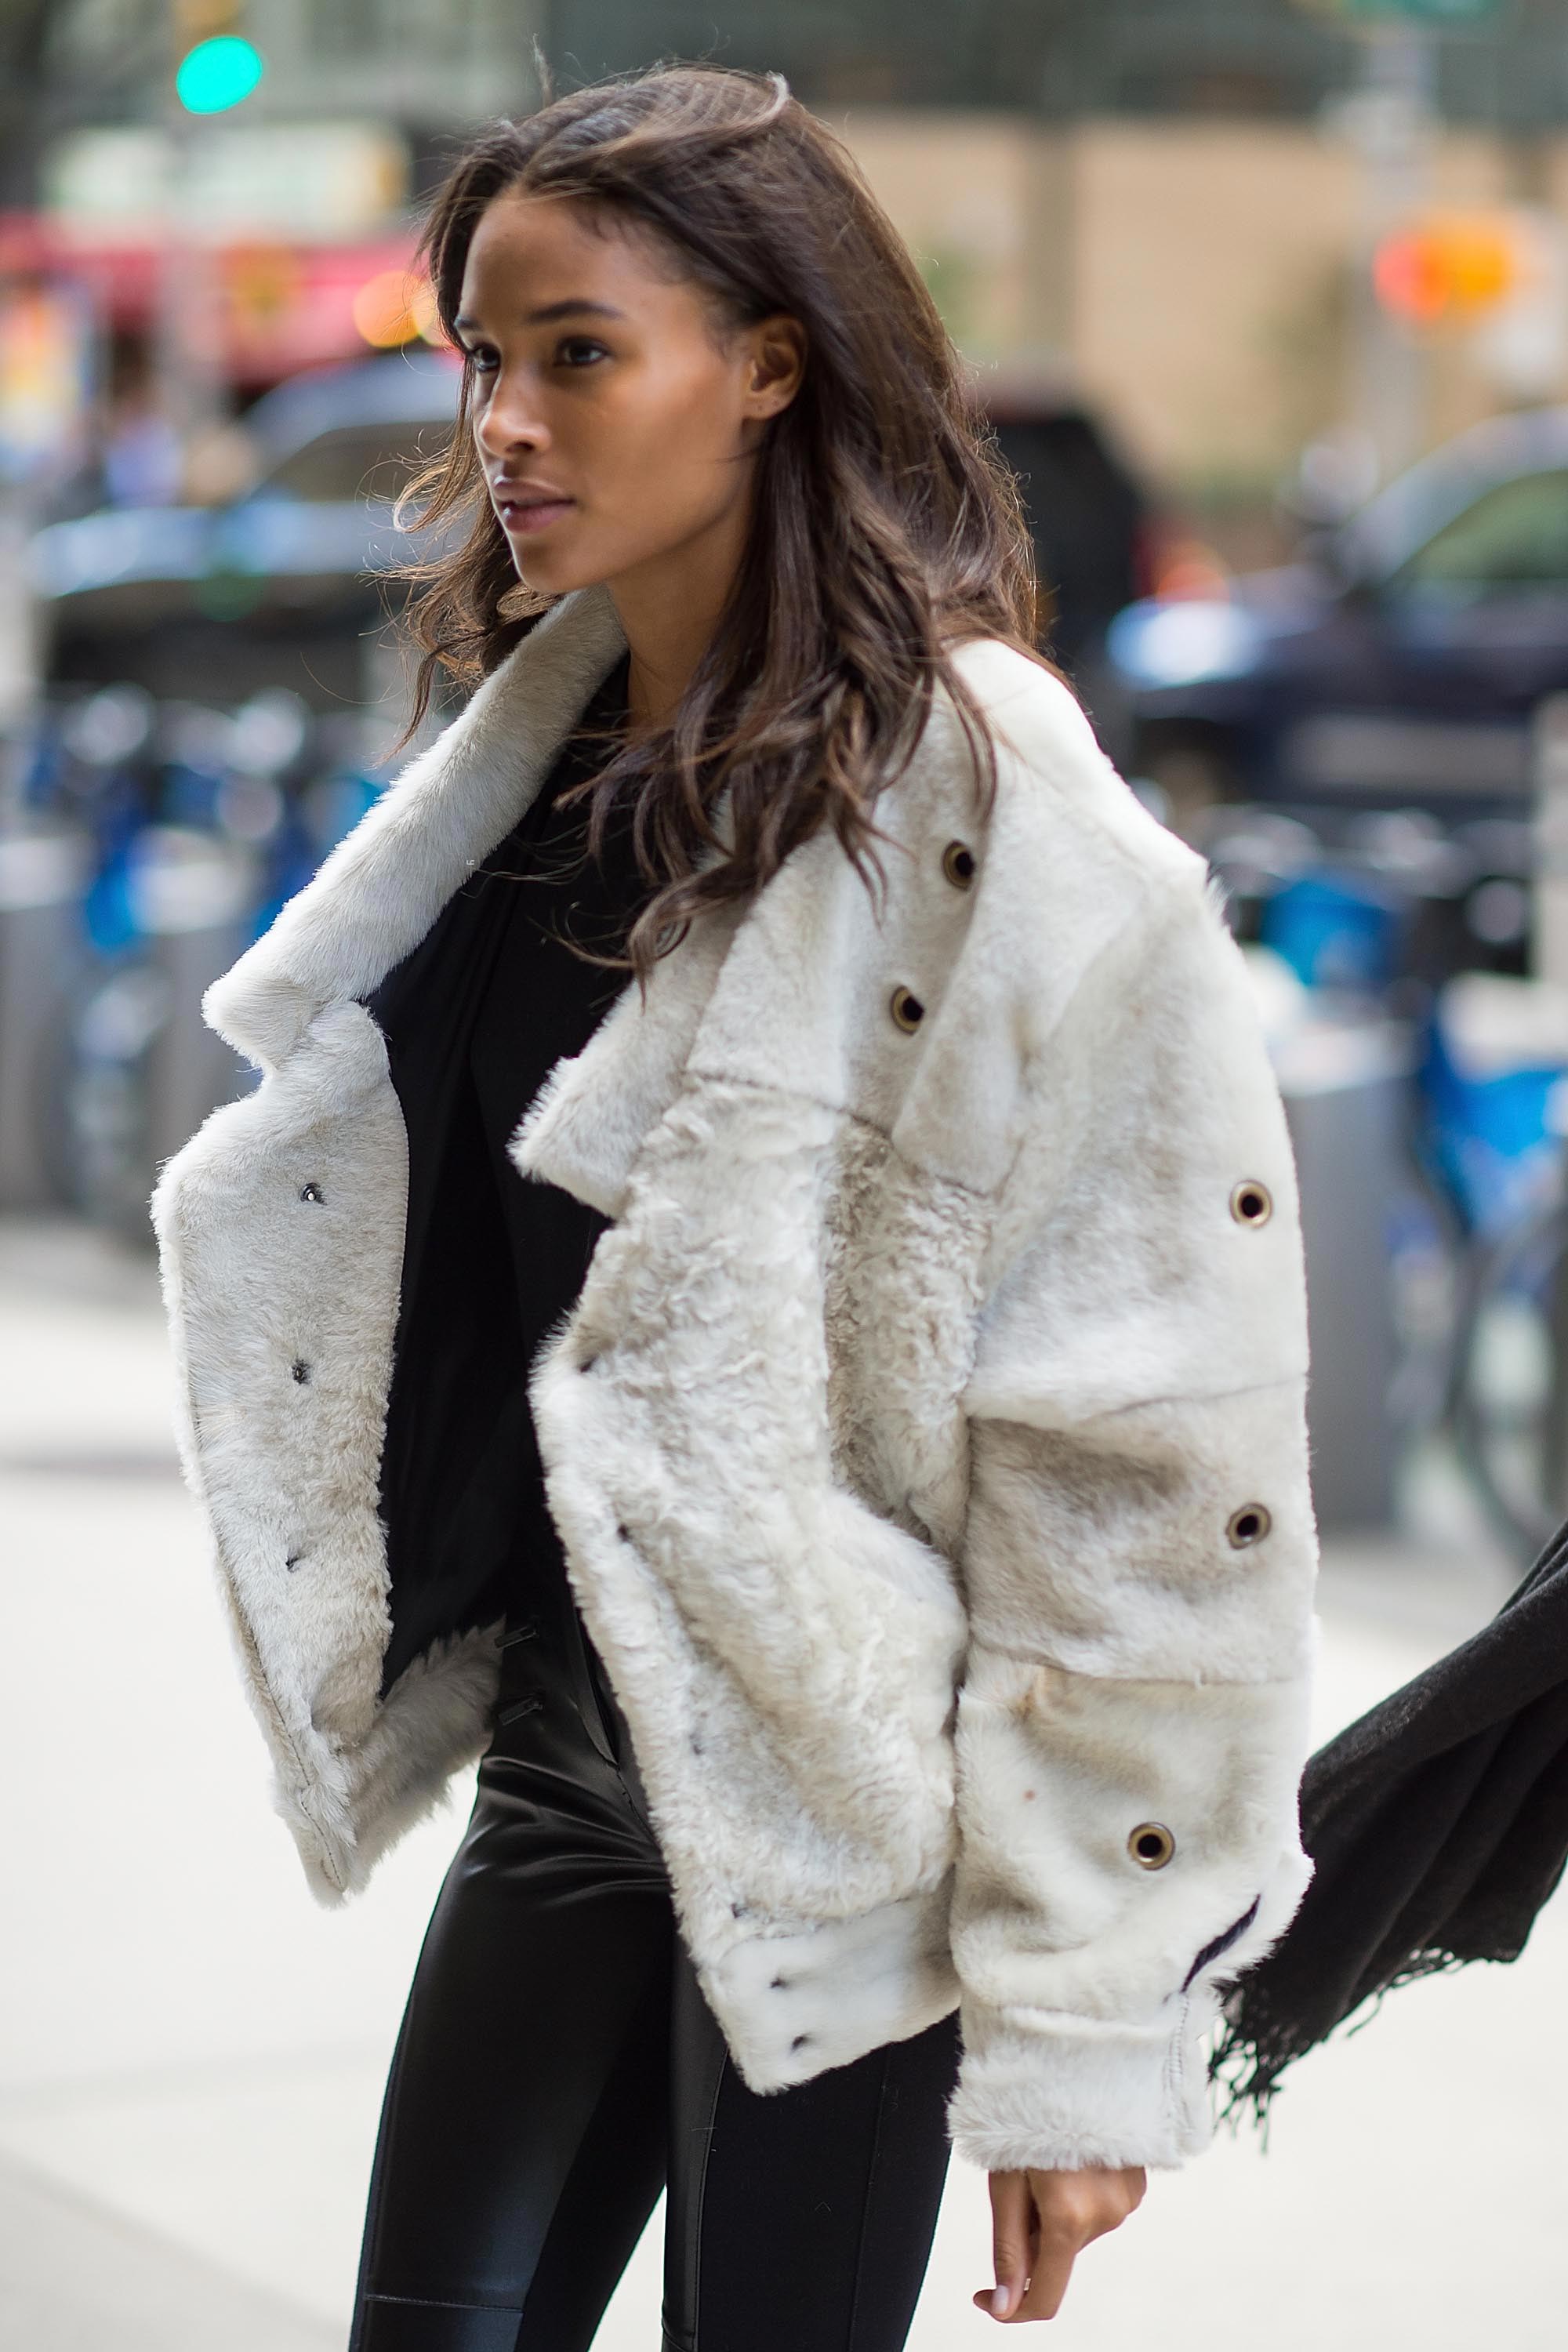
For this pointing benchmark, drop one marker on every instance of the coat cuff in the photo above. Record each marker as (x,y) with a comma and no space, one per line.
(1042,2091)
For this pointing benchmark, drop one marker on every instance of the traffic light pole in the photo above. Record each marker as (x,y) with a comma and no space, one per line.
(187,364)
(1391,122)
(184,360)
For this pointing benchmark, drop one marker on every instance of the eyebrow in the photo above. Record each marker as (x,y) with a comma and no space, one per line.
(575,306)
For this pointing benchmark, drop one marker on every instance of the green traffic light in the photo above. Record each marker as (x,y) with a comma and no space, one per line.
(216,75)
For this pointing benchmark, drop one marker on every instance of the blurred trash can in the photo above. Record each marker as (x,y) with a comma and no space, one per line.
(146,1069)
(1549,913)
(1345,1087)
(43,877)
(191,896)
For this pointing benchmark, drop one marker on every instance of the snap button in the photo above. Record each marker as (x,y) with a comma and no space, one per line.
(907,1009)
(958,864)
(1248,1526)
(1251,1204)
(301,1370)
(311,1193)
(1151,1845)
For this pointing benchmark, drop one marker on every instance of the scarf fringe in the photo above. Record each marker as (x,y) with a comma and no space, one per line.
(1256,2046)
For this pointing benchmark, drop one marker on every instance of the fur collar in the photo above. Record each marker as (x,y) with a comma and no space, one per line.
(378,894)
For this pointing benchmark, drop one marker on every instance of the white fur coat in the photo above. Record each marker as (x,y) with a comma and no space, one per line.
(928,1443)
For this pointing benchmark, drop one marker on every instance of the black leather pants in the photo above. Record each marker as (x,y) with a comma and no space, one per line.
(558,2065)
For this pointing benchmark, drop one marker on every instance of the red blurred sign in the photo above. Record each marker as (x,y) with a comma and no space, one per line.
(282,307)
(289,307)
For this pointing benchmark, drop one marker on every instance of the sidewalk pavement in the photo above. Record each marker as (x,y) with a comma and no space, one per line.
(191,2051)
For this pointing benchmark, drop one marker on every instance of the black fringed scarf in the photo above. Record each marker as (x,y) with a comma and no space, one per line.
(1438,1824)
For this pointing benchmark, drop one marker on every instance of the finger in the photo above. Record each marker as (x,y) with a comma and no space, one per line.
(1078,2210)
(1053,2259)
(1012,2218)
(1117,2194)
(1088,2203)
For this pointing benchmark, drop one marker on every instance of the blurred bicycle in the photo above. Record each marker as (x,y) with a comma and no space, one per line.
(1402,925)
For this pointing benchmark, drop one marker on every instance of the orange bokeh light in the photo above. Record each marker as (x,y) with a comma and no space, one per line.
(1189,569)
(1452,268)
(396,306)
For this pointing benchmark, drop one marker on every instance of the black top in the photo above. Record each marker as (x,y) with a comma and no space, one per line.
(474,1019)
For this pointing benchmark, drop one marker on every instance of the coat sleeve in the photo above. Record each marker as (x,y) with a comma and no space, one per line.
(1138,1560)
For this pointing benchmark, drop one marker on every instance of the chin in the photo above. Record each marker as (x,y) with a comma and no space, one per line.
(551,573)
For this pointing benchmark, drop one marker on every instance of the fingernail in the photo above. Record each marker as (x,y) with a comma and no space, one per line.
(999,2302)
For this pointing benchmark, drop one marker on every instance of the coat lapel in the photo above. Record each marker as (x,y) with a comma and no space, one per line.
(378,894)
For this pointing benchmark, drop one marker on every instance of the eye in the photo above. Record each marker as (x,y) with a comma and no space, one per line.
(579,351)
(482,358)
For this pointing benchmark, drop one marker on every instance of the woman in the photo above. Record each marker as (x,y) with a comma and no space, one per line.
(910,1276)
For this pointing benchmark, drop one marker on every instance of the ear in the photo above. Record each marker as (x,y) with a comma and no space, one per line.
(775,362)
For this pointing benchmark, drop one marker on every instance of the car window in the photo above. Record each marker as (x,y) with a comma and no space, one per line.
(1515,536)
(355,461)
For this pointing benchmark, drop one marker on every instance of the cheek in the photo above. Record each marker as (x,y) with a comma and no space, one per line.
(674,441)
(656,459)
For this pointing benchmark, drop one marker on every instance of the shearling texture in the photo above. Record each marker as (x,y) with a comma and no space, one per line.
(894,1440)
(786,1655)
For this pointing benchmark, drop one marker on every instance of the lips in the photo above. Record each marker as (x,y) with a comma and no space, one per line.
(528,511)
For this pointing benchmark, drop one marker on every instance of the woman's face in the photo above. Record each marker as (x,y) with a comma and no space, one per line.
(615,422)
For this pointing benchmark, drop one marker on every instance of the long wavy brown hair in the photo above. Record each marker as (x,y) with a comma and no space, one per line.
(885,530)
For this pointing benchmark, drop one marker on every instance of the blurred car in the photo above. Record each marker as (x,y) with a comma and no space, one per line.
(272,588)
(152,595)
(1397,663)
(1087,514)
(1095,533)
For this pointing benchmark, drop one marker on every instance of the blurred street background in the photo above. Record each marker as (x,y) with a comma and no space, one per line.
(1267,301)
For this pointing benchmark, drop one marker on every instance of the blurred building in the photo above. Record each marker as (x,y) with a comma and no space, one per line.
(1196,276)
(1276,60)
(1165,202)
(427,66)
(1169,200)
(224,250)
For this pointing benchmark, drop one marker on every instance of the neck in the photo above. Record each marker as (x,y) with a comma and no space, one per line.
(671,608)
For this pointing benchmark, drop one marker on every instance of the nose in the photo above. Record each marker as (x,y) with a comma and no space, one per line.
(510,419)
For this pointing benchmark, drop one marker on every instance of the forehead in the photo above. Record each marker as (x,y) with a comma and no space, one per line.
(528,251)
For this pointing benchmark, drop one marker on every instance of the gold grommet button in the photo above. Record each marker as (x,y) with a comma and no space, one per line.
(1248,1526)
(1251,1204)
(958,864)
(1152,1845)
(907,1009)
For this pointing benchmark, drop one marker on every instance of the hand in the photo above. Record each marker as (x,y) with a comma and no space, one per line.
(1040,2224)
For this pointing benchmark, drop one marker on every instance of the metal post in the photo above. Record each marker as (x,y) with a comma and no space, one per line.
(42,876)
(193,898)
(185,366)
(1391,121)
(1342,1093)
(1549,927)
